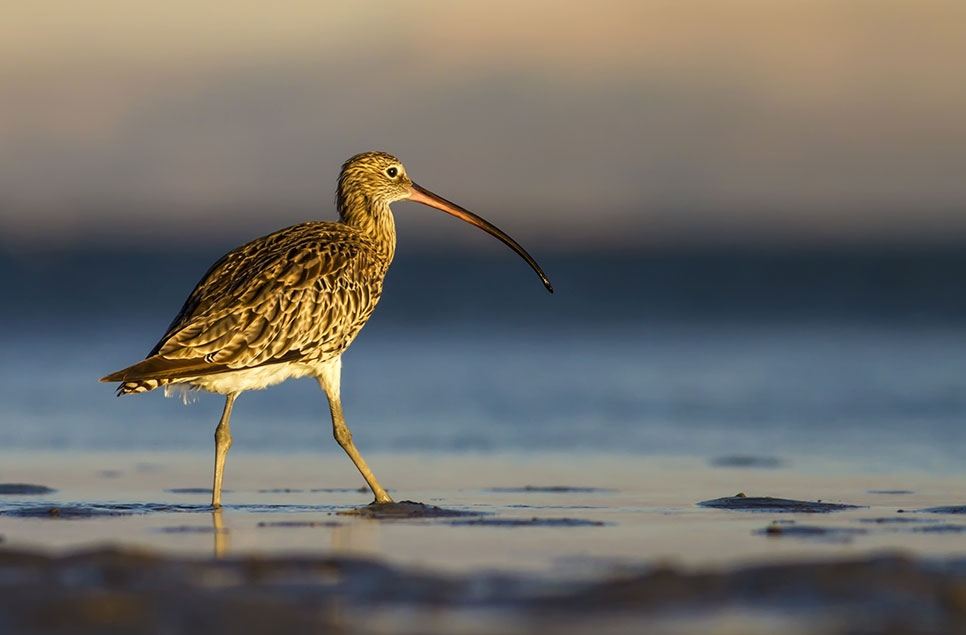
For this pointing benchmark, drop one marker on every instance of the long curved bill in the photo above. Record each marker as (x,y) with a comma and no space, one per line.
(424,196)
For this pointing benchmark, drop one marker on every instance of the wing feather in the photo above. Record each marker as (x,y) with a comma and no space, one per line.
(301,293)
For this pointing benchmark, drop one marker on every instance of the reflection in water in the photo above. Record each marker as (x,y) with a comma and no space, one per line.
(221,533)
(356,538)
(353,539)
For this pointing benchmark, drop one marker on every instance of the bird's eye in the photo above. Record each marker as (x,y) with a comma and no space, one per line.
(392,172)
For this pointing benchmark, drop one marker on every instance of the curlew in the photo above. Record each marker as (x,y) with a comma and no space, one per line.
(289,304)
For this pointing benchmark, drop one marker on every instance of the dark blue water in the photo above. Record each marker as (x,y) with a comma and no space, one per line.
(853,357)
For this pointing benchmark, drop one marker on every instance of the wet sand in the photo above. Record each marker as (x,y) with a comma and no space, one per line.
(526,544)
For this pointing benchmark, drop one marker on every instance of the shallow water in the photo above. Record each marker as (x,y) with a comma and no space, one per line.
(883,399)
(580,431)
(581,514)
(555,542)
(857,358)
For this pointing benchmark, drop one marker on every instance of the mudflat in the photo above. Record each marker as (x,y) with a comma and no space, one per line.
(503,543)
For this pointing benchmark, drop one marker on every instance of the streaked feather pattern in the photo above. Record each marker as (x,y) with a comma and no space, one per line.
(301,294)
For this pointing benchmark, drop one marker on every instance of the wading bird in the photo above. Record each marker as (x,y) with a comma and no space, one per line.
(290,303)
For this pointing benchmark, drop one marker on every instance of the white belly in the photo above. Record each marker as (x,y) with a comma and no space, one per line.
(250,378)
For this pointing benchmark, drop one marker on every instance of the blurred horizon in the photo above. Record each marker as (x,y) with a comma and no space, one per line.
(753,214)
(618,125)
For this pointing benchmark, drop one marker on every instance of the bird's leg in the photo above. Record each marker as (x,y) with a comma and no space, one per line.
(221,533)
(222,443)
(330,384)
(344,437)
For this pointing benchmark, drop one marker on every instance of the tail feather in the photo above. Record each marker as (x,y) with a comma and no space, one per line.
(158,367)
(157,371)
(135,387)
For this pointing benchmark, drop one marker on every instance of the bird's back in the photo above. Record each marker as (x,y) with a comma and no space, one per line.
(299,295)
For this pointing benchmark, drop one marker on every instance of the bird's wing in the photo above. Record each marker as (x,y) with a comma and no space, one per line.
(303,292)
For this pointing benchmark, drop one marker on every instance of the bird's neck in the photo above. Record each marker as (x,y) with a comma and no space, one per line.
(373,219)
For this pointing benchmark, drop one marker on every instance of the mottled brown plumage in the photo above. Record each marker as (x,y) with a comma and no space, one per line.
(288,304)
(299,295)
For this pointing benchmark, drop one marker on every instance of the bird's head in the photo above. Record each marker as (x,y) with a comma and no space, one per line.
(370,181)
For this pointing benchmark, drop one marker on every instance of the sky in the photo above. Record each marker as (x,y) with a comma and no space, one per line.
(607,124)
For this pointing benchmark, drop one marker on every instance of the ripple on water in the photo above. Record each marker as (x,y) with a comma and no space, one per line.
(949,509)
(191,529)
(405,510)
(74,511)
(812,532)
(898,520)
(25,489)
(549,489)
(529,522)
(298,524)
(748,461)
(741,502)
(943,528)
